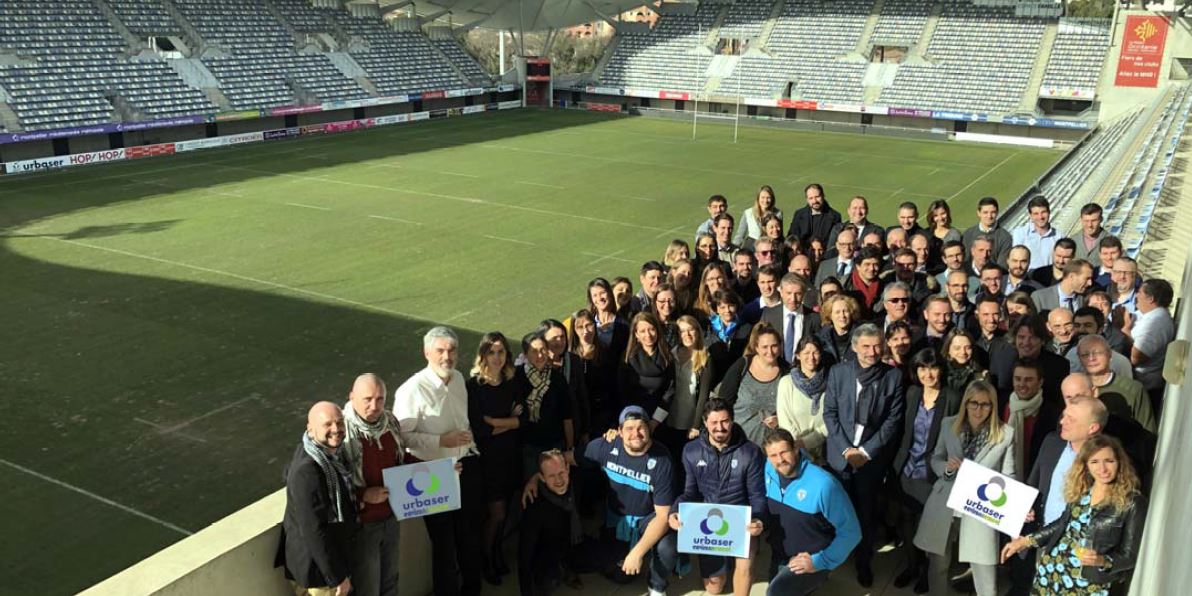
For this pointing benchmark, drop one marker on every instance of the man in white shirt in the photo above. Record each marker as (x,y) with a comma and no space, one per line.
(432,411)
(1152,330)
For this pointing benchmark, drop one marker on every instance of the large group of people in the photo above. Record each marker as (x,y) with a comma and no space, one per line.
(832,375)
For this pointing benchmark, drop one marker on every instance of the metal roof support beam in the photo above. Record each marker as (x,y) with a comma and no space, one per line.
(434,15)
(600,14)
(388,8)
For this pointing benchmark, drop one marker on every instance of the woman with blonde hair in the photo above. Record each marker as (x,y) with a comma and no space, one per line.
(677,250)
(977,434)
(694,374)
(1094,543)
(749,227)
(838,316)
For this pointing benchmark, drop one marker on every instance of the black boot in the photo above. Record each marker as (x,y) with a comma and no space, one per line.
(498,558)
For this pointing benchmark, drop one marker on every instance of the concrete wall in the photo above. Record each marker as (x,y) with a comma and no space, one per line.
(235,556)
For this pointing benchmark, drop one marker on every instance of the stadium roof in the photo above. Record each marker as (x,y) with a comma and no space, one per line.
(523,15)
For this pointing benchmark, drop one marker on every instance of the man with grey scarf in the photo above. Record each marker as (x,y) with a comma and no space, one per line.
(371,445)
(320,519)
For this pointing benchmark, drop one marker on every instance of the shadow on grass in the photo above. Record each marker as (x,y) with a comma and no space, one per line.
(182,400)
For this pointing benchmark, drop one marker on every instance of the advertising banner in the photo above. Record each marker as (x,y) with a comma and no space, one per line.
(997,501)
(281,133)
(241,115)
(287,110)
(416,116)
(711,529)
(422,489)
(1066,93)
(149,151)
(798,104)
(680,95)
(950,115)
(593,106)
(510,105)
(166,123)
(62,161)
(433,95)
(394,119)
(1143,41)
(913,112)
(474,109)
(605,90)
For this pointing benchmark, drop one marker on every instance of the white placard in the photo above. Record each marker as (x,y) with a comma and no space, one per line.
(711,529)
(997,501)
(424,488)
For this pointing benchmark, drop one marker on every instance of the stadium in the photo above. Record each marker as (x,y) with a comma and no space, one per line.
(219,212)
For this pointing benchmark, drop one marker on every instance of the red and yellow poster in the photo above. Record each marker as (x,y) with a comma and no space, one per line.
(1142,51)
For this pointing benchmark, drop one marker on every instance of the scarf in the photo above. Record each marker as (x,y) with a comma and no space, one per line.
(959,377)
(813,387)
(333,469)
(868,290)
(1020,410)
(723,331)
(973,442)
(359,430)
(539,385)
(566,502)
(868,378)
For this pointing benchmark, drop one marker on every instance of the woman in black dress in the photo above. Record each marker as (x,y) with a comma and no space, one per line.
(567,363)
(495,398)
(546,421)
(612,330)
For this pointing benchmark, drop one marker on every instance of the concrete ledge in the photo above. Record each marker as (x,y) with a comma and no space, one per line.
(235,556)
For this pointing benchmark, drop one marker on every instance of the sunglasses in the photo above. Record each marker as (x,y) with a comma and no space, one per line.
(898,300)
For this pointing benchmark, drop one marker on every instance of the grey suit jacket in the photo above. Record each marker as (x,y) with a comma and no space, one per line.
(827,268)
(978,542)
(1049,299)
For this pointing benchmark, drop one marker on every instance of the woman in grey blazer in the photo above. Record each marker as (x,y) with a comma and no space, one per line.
(977,434)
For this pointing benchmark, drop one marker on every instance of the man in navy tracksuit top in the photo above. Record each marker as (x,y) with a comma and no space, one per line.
(641,482)
(724,467)
(813,527)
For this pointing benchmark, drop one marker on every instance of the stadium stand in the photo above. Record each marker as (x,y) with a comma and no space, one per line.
(461,59)
(665,57)
(901,23)
(145,17)
(263,69)
(981,61)
(397,62)
(745,19)
(807,41)
(1078,54)
(73,71)
(304,17)
(1063,185)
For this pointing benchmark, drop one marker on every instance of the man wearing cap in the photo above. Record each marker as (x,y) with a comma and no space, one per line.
(641,484)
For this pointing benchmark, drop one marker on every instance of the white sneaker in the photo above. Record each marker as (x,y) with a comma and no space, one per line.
(654,592)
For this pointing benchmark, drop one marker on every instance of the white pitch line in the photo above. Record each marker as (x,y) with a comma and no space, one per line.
(186,423)
(670,231)
(933,172)
(309,206)
(396,219)
(458,174)
(457,317)
(271,284)
(434,195)
(979,178)
(106,501)
(555,186)
(646,199)
(608,257)
(161,431)
(514,240)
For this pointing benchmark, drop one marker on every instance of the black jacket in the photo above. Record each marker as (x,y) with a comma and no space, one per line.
(315,552)
(648,382)
(948,403)
(1001,369)
(732,476)
(1112,533)
(544,543)
(773,316)
(723,354)
(807,225)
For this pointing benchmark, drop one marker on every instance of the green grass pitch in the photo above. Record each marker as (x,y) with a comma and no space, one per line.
(168,321)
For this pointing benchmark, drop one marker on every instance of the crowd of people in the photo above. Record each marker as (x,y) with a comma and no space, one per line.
(832,374)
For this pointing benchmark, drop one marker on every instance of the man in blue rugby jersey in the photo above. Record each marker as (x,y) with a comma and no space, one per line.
(813,527)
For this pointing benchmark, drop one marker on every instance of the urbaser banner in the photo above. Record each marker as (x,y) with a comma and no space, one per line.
(1142,51)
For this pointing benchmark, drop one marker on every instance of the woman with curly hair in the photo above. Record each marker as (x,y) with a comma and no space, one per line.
(1094,544)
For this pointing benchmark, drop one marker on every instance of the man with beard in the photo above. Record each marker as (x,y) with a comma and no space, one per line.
(1029,338)
(962,311)
(937,315)
(858,218)
(724,467)
(864,284)
(1091,321)
(642,492)
(371,445)
(549,530)
(320,517)
(953,253)
(863,410)
(745,275)
(990,338)
(815,220)
(1049,275)
(992,278)
(432,410)
(1018,262)
(813,527)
